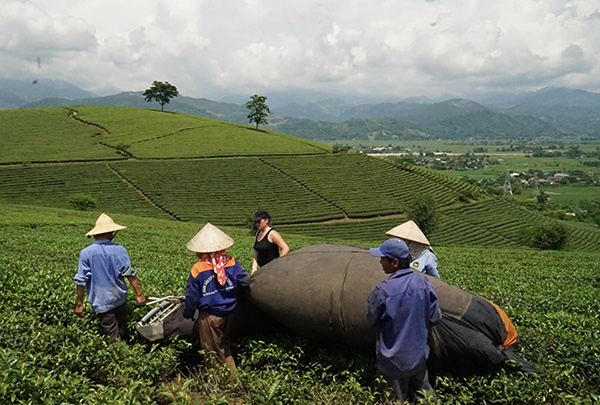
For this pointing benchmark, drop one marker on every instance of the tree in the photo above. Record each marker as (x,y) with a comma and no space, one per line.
(82,202)
(258,110)
(161,92)
(340,148)
(550,236)
(423,212)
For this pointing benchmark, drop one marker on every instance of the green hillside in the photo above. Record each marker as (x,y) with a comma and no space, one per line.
(195,169)
(48,135)
(157,134)
(113,133)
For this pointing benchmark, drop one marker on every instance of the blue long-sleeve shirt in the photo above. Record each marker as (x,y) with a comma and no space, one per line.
(101,269)
(402,307)
(426,263)
(203,292)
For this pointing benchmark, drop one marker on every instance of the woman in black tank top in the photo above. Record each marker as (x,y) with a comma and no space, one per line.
(267,242)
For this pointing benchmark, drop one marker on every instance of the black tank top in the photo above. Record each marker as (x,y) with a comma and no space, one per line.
(267,251)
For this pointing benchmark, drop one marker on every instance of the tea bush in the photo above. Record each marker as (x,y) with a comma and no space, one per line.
(82,202)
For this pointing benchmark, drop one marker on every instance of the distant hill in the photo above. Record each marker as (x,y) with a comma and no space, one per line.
(188,105)
(16,93)
(558,97)
(572,110)
(453,119)
(550,112)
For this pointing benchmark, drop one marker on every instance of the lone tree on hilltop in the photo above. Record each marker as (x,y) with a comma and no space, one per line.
(161,92)
(258,110)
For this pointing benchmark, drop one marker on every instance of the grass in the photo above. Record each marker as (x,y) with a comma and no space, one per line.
(569,195)
(523,164)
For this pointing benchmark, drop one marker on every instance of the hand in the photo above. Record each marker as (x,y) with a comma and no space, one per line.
(141,299)
(79,310)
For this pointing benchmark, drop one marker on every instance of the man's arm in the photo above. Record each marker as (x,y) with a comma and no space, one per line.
(136,287)
(79,305)
(376,308)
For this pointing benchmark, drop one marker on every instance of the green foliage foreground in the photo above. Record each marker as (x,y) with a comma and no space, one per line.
(47,355)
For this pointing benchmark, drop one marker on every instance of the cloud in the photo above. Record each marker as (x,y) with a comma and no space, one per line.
(29,30)
(399,48)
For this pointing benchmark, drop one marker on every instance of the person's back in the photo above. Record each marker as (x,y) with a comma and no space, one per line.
(212,289)
(402,307)
(100,269)
(208,294)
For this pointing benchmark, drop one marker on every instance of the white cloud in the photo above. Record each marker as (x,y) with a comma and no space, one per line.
(213,47)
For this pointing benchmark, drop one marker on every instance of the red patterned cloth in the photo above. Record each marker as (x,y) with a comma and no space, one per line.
(217,260)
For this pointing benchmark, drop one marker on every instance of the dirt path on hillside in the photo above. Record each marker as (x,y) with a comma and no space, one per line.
(103,132)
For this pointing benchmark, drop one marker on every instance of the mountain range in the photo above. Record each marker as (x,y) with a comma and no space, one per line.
(549,112)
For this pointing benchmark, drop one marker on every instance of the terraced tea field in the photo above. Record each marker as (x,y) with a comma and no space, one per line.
(196,169)
(225,191)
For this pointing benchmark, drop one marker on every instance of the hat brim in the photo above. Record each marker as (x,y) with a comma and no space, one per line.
(99,230)
(409,231)
(376,252)
(209,239)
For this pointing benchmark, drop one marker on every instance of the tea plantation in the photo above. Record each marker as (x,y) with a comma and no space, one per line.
(165,174)
(47,355)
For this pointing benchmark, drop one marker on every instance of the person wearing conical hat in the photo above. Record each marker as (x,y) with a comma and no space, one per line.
(212,289)
(102,269)
(423,256)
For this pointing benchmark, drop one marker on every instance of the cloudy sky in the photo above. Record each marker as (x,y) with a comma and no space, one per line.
(215,48)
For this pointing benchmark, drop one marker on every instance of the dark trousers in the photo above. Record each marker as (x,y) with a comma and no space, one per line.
(406,388)
(214,336)
(114,323)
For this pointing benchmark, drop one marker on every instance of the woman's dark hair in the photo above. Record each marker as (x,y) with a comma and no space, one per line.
(261,214)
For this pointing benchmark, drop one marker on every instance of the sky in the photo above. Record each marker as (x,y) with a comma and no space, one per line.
(217,48)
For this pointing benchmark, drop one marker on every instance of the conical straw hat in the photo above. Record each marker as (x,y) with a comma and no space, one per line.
(104,224)
(409,231)
(209,239)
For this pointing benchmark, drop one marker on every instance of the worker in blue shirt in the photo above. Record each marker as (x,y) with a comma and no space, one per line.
(102,269)
(402,308)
